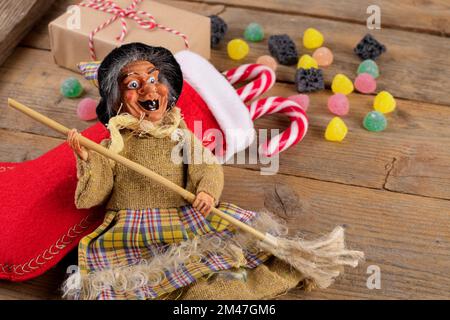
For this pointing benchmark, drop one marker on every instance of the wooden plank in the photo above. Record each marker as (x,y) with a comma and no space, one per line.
(32,77)
(421,16)
(411,156)
(363,159)
(39,37)
(16,19)
(20,146)
(408,237)
(422,172)
(405,67)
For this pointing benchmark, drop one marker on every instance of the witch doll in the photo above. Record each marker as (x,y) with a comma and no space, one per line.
(153,244)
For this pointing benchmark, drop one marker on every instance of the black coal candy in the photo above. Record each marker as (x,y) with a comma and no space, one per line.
(283,49)
(308,80)
(369,48)
(218,30)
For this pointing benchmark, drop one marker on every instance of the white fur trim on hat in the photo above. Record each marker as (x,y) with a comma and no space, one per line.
(224,103)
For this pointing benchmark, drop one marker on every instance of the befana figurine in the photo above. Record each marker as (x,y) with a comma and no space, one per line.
(153,243)
(165,232)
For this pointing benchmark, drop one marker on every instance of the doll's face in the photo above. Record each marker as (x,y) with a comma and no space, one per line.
(142,93)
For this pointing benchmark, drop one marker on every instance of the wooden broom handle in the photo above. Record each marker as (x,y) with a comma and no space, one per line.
(131,165)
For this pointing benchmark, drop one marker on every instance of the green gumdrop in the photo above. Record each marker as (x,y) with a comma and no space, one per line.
(254,32)
(369,66)
(375,121)
(71,88)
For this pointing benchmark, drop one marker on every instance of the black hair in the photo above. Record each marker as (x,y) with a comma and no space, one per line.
(109,73)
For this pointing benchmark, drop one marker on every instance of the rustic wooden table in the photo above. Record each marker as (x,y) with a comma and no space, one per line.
(391,190)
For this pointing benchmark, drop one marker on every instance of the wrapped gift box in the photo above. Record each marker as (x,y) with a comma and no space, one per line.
(69,40)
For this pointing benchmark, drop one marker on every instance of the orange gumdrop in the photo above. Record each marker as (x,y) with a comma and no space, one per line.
(267,61)
(323,56)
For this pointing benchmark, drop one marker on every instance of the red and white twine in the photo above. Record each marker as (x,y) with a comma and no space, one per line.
(263,79)
(144,19)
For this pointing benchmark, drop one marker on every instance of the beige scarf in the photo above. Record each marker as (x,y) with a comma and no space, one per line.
(169,123)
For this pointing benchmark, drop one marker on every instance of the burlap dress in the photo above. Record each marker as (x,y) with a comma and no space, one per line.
(154,245)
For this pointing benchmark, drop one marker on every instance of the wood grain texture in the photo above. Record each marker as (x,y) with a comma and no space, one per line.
(415,70)
(428,16)
(408,237)
(410,156)
(16,19)
(33,76)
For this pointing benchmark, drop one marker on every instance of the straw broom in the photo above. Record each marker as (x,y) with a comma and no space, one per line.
(320,261)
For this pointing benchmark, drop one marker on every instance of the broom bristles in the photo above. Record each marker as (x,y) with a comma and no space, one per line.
(321,260)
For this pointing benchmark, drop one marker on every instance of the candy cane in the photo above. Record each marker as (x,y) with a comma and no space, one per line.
(265,79)
(293,134)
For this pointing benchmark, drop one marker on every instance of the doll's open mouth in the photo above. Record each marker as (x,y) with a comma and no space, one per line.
(149,105)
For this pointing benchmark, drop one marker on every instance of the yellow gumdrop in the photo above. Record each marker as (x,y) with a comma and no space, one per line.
(237,49)
(336,130)
(312,38)
(384,102)
(341,84)
(307,62)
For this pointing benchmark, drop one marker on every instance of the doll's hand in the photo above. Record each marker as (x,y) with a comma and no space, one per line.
(203,202)
(74,143)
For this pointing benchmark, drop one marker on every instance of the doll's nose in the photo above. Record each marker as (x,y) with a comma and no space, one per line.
(146,89)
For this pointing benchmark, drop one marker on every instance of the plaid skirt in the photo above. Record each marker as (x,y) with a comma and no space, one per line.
(128,237)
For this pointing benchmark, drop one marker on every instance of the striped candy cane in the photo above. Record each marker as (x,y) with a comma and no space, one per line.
(119,13)
(264,79)
(293,134)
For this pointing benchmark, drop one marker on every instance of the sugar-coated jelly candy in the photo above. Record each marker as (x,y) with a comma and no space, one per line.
(307,62)
(341,84)
(86,109)
(336,130)
(301,99)
(365,83)
(71,88)
(268,61)
(323,56)
(237,49)
(375,121)
(312,38)
(254,32)
(338,104)
(369,66)
(283,49)
(384,102)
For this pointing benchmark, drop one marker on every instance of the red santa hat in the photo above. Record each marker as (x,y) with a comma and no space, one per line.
(209,98)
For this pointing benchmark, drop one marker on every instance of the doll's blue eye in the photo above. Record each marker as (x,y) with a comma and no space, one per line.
(151,80)
(133,85)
